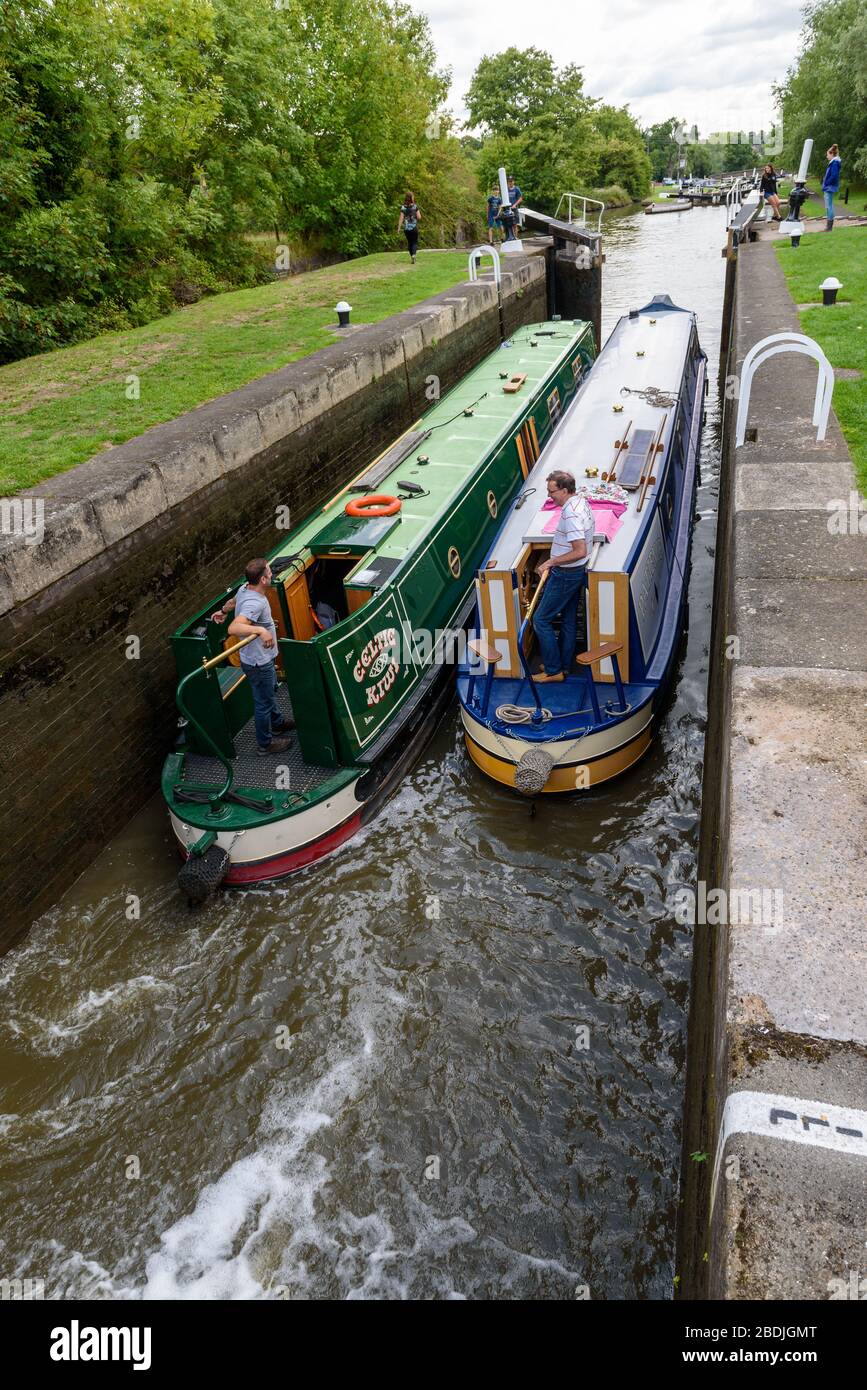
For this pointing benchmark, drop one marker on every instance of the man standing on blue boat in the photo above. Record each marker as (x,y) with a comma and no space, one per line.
(566,573)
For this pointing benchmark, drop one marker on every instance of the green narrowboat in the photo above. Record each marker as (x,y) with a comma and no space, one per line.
(369,596)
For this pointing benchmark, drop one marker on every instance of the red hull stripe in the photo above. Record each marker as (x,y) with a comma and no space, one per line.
(279,865)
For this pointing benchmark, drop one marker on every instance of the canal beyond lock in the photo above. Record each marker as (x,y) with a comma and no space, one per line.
(448,1062)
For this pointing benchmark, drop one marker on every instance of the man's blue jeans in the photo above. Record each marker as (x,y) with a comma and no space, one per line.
(263,684)
(830,195)
(560,598)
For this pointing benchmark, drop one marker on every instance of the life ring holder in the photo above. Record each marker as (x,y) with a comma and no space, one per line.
(375,504)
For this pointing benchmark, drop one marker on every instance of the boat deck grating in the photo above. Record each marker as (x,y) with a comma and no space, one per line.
(255,772)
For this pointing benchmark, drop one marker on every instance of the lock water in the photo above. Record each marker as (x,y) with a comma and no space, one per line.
(447,1063)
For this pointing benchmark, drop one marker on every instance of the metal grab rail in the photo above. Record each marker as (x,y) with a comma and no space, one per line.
(582,220)
(216,800)
(733,200)
(772,346)
(475,261)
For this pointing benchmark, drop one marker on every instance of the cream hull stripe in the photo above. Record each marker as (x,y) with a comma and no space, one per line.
(278,837)
(593,746)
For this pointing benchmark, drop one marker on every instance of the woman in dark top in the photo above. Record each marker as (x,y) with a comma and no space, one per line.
(408,221)
(768,189)
(831,185)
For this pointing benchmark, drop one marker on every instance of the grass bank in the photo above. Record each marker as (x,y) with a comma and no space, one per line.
(840,331)
(815,206)
(60,408)
(661,194)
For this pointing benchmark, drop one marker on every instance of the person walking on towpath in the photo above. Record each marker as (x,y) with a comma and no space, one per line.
(768,190)
(408,223)
(831,185)
(258,659)
(566,570)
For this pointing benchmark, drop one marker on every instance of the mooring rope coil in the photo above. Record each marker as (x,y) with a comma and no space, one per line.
(523,714)
(520,714)
(654,395)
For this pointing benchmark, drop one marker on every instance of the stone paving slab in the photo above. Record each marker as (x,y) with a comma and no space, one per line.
(790,622)
(792,1232)
(792,484)
(792,1224)
(790,545)
(799,790)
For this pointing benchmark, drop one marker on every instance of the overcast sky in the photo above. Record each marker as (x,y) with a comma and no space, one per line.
(711,65)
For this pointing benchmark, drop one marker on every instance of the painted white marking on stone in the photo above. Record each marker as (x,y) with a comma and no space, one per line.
(794,1119)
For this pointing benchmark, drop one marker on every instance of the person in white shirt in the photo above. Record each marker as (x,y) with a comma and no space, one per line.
(566,570)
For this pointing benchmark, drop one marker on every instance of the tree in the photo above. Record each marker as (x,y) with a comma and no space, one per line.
(738,156)
(663,148)
(539,122)
(824,95)
(700,161)
(510,89)
(141,140)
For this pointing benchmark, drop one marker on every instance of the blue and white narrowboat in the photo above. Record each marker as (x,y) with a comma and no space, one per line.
(631,438)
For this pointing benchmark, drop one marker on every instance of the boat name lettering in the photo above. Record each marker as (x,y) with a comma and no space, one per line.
(384,642)
(375,692)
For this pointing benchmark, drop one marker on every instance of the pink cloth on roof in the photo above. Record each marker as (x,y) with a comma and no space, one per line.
(606,515)
(618,508)
(606,521)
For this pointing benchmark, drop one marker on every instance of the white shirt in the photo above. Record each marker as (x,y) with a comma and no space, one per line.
(576,524)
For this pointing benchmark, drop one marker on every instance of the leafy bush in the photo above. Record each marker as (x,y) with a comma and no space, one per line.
(141,142)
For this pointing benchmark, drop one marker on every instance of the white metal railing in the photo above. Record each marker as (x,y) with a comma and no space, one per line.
(770,347)
(594,214)
(475,261)
(733,201)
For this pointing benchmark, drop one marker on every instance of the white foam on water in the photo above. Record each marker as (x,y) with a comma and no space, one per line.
(69,1274)
(55,1035)
(375,1264)
(221,1250)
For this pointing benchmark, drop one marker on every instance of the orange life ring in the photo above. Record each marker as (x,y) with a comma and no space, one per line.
(377,504)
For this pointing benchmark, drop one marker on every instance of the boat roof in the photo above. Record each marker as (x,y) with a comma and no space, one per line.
(590,427)
(457,444)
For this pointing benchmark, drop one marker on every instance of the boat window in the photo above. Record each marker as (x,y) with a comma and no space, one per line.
(527,444)
(555,409)
(577,369)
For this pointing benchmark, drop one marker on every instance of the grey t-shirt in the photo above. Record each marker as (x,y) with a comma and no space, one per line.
(256,609)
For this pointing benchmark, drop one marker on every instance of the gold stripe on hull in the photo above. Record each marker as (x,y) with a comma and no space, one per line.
(565,779)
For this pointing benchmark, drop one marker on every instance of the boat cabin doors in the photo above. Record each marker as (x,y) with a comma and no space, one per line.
(316,596)
(505,597)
